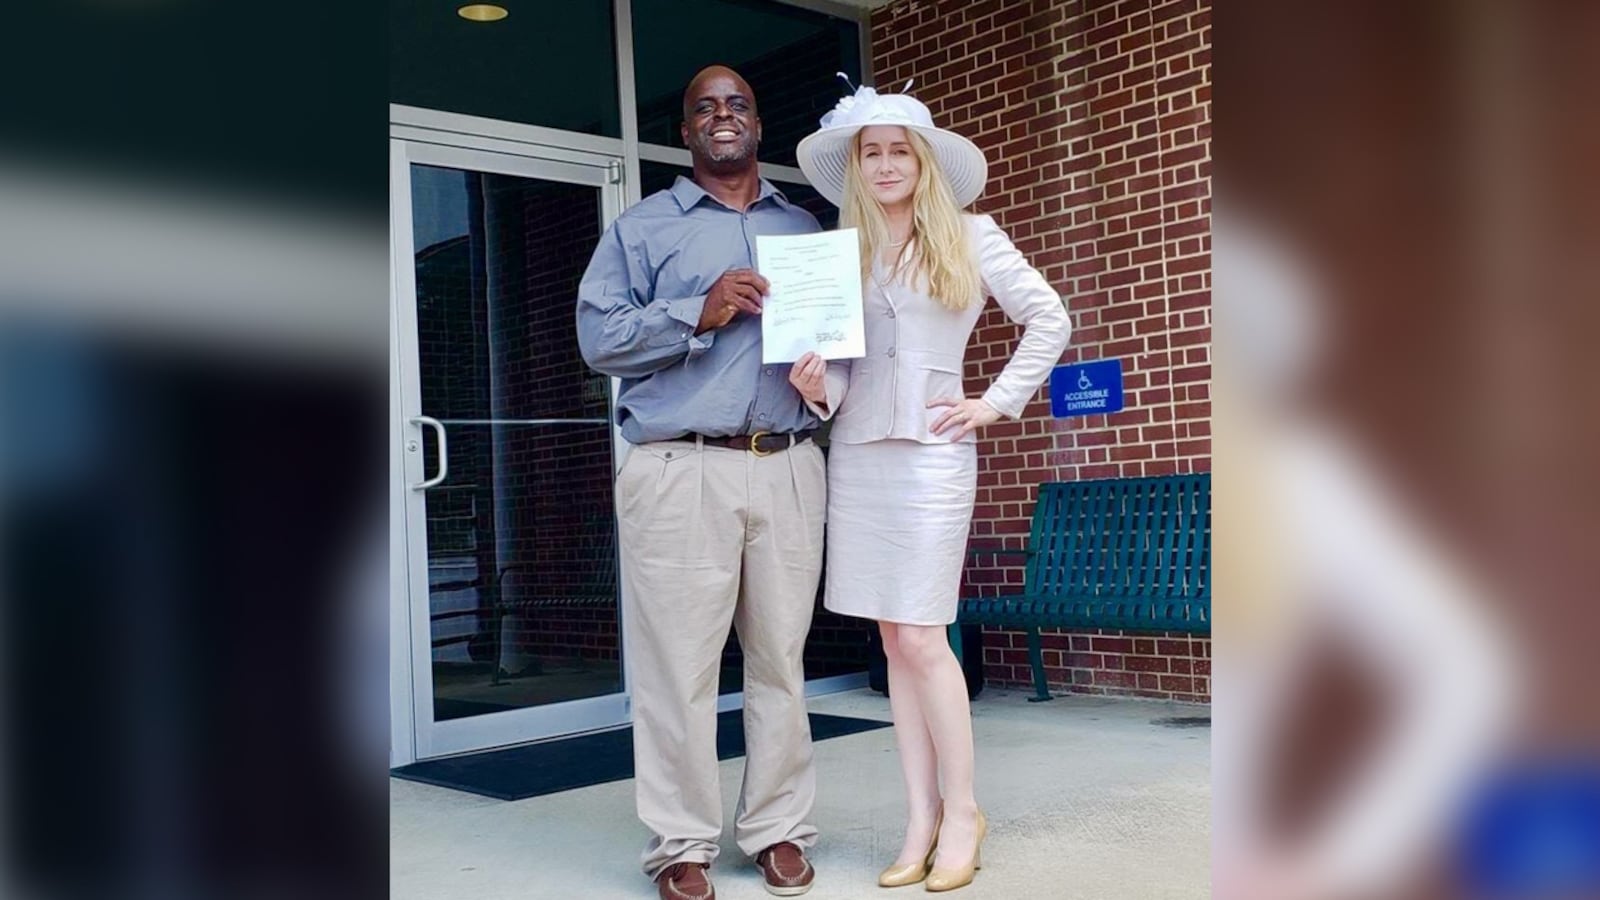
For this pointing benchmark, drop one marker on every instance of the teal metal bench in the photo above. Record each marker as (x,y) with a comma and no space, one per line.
(1125,553)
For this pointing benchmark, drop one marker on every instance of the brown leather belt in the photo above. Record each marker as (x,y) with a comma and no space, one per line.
(762,443)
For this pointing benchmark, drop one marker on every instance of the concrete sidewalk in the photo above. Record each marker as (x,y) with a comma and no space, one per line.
(1087,797)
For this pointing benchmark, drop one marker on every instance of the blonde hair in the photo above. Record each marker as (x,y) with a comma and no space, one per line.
(941,260)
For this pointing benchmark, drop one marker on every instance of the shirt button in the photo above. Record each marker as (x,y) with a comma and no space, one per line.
(762,417)
(769,371)
(891,313)
(891,352)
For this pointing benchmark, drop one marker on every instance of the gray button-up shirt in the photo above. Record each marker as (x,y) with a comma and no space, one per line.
(639,303)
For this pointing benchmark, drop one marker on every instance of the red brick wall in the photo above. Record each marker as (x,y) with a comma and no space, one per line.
(1095,117)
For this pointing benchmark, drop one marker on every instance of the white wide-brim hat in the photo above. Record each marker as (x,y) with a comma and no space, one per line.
(825,153)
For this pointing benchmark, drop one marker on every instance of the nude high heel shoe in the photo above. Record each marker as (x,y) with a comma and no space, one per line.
(950,879)
(911,873)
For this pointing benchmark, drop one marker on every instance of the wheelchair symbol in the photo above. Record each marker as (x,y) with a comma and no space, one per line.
(1083,381)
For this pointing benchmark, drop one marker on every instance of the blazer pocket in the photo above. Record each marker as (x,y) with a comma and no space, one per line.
(939,381)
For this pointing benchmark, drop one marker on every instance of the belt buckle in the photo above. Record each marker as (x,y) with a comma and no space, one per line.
(754,438)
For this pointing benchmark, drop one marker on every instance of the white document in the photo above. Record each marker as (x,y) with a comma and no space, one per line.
(815,300)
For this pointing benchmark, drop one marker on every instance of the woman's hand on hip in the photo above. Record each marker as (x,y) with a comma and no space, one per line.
(806,376)
(966,416)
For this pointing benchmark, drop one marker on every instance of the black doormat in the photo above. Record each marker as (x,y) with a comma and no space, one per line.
(531,770)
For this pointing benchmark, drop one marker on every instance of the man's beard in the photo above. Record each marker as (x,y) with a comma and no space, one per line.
(726,155)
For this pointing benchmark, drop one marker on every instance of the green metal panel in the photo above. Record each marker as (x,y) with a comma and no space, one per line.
(1144,513)
(1126,553)
(1041,687)
(1204,564)
(1040,540)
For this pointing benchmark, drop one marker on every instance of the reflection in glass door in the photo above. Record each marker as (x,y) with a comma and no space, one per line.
(514,593)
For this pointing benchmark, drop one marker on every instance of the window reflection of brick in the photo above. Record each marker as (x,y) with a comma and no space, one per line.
(794,85)
(557,526)
(530,503)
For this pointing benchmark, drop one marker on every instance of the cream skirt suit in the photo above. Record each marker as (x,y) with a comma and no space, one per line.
(900,497)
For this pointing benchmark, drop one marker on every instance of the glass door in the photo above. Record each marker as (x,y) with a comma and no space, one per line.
(507,448)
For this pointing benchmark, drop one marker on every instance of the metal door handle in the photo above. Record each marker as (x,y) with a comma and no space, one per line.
(444,454)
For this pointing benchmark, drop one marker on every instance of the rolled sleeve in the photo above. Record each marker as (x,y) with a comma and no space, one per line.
(1030,301)
(687,311)
(620,331)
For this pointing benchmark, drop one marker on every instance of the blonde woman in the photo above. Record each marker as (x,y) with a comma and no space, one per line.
(903,467)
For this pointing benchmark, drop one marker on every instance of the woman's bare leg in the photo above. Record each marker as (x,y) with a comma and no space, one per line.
(917,761)
(941,697)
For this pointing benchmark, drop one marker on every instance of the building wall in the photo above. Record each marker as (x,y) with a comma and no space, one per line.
(1095,117)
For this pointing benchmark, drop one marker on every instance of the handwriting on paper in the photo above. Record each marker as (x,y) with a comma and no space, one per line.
(815,299)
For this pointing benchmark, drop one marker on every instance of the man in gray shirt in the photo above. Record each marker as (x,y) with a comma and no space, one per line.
(720,500)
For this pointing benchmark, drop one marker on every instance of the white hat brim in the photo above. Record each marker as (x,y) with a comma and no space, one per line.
(824,155)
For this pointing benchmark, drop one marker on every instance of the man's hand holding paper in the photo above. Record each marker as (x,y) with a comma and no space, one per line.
(814,301)
(736,291)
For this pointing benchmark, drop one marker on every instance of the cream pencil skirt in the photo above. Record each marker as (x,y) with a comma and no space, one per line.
(898,516)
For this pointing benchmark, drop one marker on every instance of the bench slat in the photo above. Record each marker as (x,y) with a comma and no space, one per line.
(1126,553)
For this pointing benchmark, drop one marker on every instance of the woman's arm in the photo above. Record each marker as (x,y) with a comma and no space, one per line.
(1030,301)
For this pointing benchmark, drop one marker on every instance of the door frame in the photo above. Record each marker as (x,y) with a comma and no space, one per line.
(432,138)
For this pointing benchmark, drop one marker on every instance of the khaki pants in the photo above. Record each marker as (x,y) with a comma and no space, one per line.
(712,536)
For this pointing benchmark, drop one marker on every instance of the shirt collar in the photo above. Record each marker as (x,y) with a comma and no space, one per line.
(688,193)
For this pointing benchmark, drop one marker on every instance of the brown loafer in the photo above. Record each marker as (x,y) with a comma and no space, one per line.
(788,872)
(685,881)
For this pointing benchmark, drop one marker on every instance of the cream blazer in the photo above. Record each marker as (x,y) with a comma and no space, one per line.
(916,348)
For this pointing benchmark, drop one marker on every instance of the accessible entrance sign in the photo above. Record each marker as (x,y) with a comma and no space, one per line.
(1086,389)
